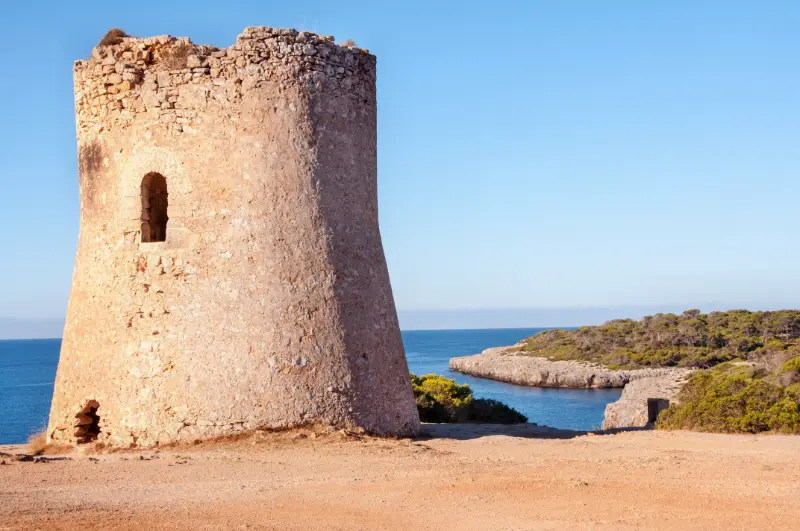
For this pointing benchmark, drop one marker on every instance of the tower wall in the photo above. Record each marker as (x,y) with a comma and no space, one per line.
(269,303)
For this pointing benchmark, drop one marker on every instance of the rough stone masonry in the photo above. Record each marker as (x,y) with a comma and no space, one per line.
(230,273)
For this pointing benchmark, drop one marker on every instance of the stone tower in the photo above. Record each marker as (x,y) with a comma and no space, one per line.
(230,273)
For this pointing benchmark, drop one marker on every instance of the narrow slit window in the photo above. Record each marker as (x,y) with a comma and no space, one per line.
(154,208)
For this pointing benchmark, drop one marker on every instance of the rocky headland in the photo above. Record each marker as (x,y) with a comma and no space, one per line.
(736,371)
(506,364)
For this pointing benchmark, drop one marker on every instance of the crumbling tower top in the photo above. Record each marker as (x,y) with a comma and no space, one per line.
(133,77)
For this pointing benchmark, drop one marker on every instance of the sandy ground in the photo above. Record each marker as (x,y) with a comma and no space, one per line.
(460,477)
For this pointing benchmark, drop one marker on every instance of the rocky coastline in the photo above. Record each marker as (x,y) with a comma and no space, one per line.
(506,365)
(503,364)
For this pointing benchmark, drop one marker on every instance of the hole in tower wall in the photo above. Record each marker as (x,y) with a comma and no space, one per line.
(87,422)
(154,208)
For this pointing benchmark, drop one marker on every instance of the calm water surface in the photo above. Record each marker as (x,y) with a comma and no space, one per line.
(27,373)
(28,368)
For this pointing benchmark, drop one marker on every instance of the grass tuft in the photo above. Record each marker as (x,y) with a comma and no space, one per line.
(37,443)
(114,36)
(176,57)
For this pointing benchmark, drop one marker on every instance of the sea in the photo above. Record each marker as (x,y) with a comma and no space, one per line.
(28,369)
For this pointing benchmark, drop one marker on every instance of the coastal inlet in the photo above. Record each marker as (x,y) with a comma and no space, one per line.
(430,351)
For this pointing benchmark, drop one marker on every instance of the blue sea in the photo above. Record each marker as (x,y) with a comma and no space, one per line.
(28,369)
(27,373)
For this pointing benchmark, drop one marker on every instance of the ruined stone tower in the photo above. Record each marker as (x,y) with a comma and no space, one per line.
(230,273)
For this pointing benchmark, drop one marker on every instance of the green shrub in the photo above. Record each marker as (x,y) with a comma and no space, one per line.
(489,411)
(792,366)
(789,372)
(733,403)
(793,390)
(441,399)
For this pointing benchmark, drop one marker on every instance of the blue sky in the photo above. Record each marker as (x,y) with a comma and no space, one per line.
(571,154)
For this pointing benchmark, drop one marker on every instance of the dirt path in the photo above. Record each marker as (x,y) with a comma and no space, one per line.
(463,477)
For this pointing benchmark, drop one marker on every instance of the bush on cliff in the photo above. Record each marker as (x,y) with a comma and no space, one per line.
(738,401)
(441,399)
(790,371)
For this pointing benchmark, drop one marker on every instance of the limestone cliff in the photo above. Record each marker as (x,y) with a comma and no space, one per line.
(505,365)
(631,410)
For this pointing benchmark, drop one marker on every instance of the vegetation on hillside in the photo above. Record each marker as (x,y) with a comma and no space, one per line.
(735,398)
(752,359)
(441,399)
(692,339)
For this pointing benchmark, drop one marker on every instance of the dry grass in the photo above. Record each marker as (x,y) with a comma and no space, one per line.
(311,430)
(175,57)
(37,443)
(114,36)
(350,43)
(320,432)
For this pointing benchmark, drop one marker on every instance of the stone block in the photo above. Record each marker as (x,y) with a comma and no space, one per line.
(163,78)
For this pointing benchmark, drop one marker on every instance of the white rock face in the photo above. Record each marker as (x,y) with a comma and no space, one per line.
(505,365)
(630,411)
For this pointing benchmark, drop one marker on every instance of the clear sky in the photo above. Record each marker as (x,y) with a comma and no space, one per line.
(531,154)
